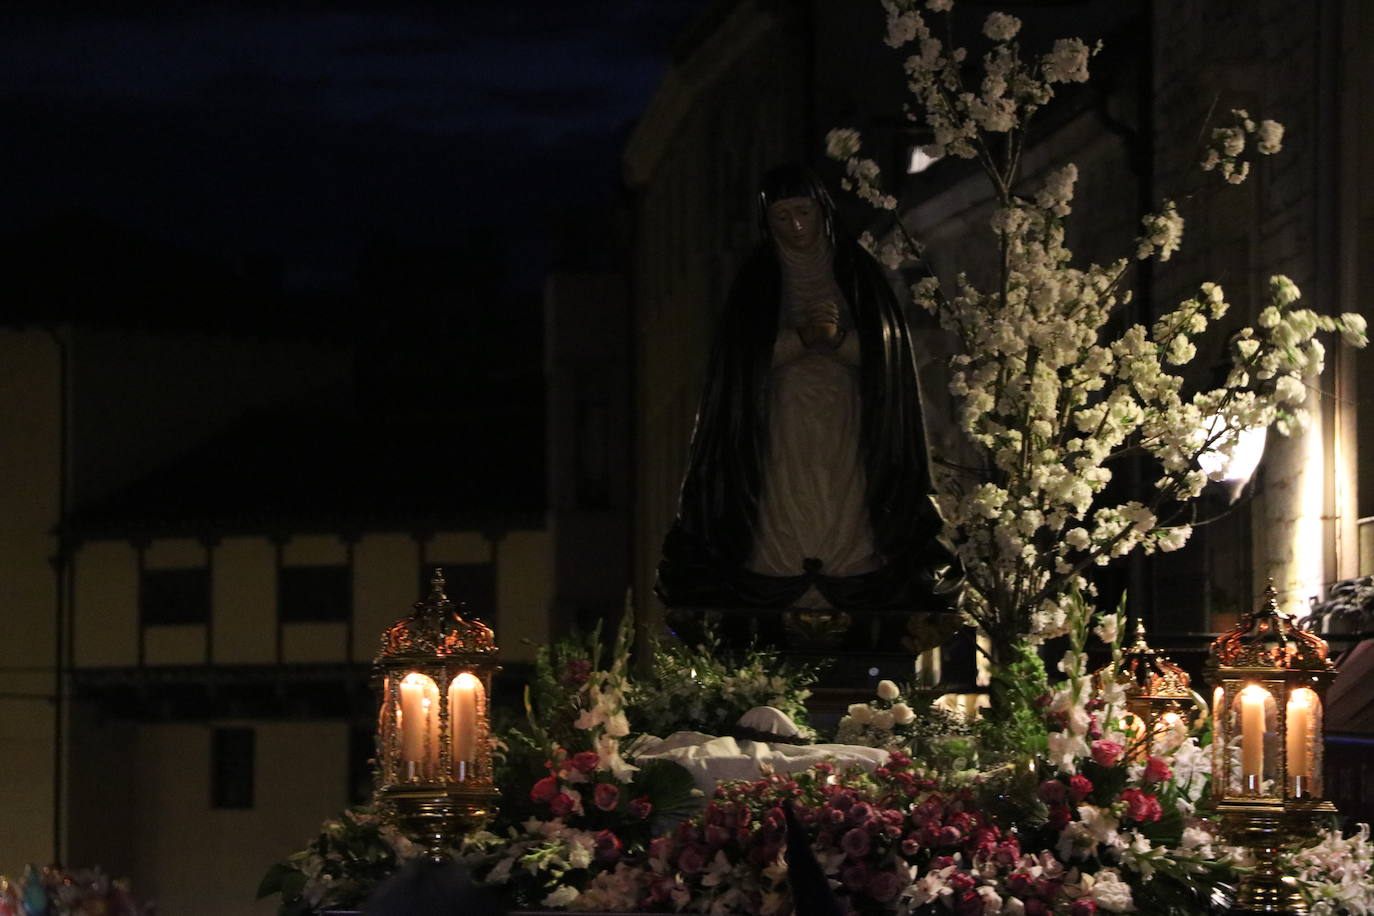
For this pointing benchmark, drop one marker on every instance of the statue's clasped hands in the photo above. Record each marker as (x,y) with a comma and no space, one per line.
(822,329)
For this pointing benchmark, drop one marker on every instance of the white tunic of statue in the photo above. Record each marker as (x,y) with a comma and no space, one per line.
(813,504)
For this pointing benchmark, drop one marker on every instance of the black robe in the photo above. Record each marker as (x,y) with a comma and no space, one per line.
(711,540)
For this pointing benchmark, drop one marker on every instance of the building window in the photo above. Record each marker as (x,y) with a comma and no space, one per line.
(231,767)
(315,594)
(174,596)
(474,584)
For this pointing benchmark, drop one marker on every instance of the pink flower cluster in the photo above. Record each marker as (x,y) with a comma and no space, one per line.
(562,791)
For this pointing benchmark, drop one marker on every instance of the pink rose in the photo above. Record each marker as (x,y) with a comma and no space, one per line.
(855,842)
(1140,806)
(606,796)
(586,761)
(1157,770)
(1080,787)
(884,886)
(561,805)
(544,789)
(1107,753)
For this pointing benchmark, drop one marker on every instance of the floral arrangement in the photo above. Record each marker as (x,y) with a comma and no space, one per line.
(53,891)
(938,739)
(1086,816)
(1053,396)
(720,686)
(1061,804)
(352,854)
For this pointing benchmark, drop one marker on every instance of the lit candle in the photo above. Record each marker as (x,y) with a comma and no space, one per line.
(462,704)
(1252,737)
(1300,708)
(419,724)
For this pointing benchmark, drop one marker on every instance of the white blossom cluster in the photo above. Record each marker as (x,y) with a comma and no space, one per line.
(1105,888)
(1335,874)
(1044,388)
(547,850)
(1225,152)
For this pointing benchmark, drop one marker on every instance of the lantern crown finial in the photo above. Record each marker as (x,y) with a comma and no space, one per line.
(1269,638)
(437,627)
(1147,673)
(436,588)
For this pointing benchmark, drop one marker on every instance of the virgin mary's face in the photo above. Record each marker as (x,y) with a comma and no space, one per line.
(796,223)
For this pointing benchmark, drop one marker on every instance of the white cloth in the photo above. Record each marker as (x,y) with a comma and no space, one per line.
(713,760)
(814,502)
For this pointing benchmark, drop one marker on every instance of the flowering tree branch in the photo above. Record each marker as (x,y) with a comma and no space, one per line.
(1048,391)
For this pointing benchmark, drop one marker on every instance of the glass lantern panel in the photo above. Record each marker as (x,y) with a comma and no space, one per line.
(417,719)
(1252,742)
(1171,730)
(1304,731)
(467,703)
(1134,728)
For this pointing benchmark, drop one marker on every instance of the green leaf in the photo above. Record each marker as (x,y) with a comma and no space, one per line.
(272,881)
(669,786)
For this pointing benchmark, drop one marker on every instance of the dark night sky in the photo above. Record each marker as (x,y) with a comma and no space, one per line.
(302,132)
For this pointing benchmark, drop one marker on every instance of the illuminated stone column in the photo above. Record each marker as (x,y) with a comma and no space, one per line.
(1289,531)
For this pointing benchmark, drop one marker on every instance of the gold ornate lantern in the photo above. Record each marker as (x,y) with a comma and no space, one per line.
(433,731)
(1270,680)
(1159,695)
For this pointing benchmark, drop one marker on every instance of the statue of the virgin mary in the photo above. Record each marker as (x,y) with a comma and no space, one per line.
(807,482)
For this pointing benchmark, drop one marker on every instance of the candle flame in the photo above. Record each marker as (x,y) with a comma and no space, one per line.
(1302,697)
(465,681)
(1254,693)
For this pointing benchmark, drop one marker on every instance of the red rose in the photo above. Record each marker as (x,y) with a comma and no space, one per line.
(1083,908)
(1140,806)
(577,672)
(606,796)
(1059,818)
(607,847)
(1080,787)
(586,761)
(561,805)
(1053,791)
(641,807)
(855,876)
(693,859)
(1037,907)
(1157,770)
(1019,883)
(969,904)
(1107,753)
(544,789)
(660,847)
